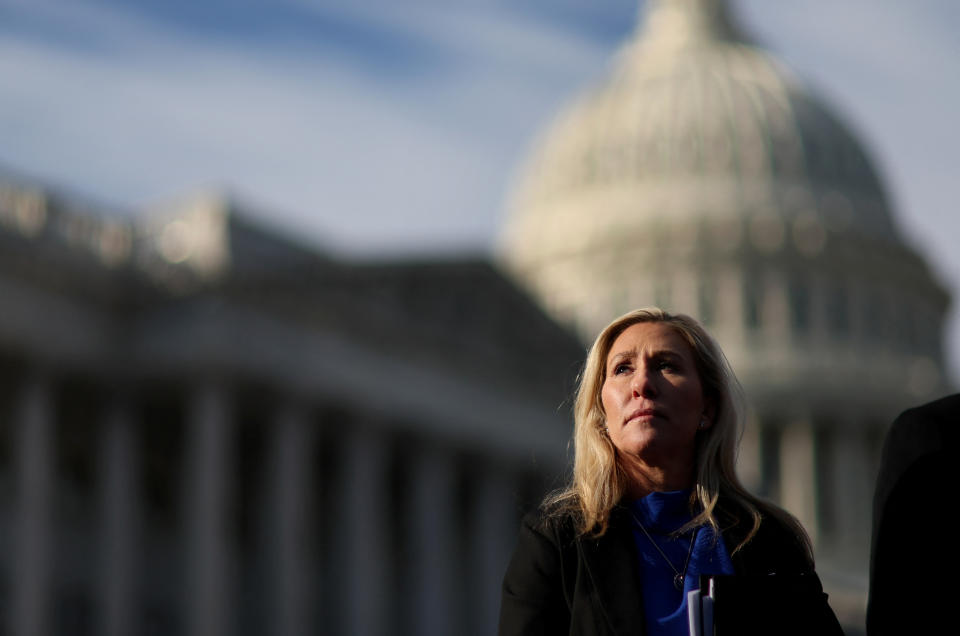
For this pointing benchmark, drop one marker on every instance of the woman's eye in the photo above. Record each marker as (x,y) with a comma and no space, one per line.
(621,368)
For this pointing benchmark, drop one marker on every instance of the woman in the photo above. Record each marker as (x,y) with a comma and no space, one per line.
(654,503)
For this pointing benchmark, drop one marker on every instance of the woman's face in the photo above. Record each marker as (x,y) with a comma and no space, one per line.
(652,395)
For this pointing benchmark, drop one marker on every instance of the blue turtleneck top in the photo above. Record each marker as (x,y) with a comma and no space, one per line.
(661,513)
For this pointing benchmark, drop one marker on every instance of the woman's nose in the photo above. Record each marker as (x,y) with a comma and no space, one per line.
(642,384)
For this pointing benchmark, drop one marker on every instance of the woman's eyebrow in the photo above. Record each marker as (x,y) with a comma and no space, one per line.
(661,354)
(619,357)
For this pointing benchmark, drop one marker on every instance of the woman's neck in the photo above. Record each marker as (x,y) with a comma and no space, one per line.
(643,478)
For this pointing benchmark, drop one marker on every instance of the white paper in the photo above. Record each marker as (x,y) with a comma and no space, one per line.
(693,613)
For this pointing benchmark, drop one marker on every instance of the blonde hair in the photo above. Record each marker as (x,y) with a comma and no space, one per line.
(599,482)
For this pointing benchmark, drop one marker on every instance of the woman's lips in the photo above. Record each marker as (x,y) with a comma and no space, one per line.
(644,414)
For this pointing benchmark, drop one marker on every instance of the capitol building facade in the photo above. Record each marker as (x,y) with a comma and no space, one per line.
(210,429)
(702,177)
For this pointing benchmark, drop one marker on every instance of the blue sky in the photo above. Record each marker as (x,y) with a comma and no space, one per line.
(385,127)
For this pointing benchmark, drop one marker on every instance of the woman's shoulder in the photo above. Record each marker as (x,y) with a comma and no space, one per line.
(778,543)
(534,597)
(779,532)
(556,520)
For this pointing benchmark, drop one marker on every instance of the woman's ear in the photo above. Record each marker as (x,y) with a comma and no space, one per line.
(709,413)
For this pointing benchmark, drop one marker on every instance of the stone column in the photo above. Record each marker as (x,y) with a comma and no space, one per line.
(852,489)
(433,543)
(120,521)
(797,474)
(775,307)
(685,291)
(728,309)
(748,458)
(34,470)
(495,527)
(367,577)
(287,516)
(208,491)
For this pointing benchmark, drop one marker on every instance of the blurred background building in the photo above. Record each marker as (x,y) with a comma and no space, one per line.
(209,429)
(702,177)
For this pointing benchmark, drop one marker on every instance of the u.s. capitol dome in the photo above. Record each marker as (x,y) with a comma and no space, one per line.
(700,175)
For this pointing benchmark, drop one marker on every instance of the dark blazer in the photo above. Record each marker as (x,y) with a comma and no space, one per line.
(913,557)
(558,583)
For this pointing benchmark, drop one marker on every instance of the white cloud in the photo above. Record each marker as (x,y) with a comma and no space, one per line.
(325,146)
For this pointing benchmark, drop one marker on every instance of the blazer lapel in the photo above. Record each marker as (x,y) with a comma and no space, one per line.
(611,562)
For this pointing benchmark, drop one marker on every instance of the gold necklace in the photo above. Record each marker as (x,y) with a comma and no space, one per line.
(678,575)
